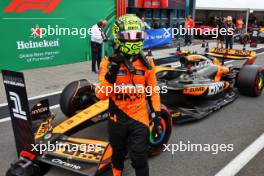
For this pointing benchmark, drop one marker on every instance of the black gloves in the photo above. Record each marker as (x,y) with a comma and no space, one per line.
(155,118)
(112,73)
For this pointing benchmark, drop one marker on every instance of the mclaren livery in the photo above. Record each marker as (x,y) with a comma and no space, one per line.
(200,86)
(204,84)
(41,144)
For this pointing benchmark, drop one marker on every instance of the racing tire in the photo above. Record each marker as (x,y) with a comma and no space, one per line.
(250,80)
(77,96)
(157,143)
(40,170)
(9,173)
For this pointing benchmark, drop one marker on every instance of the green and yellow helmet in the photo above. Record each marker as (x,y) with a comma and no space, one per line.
(128,33)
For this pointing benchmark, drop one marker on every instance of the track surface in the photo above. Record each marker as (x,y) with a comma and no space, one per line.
(239,124)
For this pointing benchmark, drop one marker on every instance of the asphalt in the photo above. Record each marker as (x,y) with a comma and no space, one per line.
(239,124)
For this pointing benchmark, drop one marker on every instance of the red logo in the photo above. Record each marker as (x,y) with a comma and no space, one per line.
(20,6)
(36,32)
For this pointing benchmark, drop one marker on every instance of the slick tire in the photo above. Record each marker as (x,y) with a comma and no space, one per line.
(77,96)
(250,80)
(157,146)
(39,170)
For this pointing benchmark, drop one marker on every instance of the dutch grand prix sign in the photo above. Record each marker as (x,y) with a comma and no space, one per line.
(43,33)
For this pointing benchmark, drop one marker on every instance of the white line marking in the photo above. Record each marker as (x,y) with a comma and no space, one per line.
(234,166)
(37,97)
(44,95)
(3,104)
(5,119)
(260,53)
(55,106)
(227,62)
(8,118)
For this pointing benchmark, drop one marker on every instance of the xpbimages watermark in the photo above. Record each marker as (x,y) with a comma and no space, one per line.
(181,31)
(192,147)
(57,146)
(131,89)
(84,32)
(57,30)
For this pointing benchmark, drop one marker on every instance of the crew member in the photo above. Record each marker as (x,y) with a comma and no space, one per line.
(189,25)
(97,38)
(130,71)
(239,25)
(147,26)
(220,37)
(230,28)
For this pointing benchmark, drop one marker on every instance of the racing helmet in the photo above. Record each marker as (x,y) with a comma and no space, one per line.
(128,33)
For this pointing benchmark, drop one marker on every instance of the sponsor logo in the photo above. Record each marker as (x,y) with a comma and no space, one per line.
(36,32)
(175,114)
(140,72)
(20,6)
(216,88)
(128,97)
(39,111)
(63,163)
(13,81)
(195,91)
(122,73)
(43,128)
(69,122)
(42,44)
(17,110)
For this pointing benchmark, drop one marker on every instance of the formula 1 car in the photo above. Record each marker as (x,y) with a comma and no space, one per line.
(202,84)
(261,35)
(199,87)
(41,144)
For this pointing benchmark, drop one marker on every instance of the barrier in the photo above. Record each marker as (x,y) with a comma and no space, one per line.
(157,37)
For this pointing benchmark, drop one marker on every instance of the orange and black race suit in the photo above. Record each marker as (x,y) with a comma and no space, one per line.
(132,103)
(129,116)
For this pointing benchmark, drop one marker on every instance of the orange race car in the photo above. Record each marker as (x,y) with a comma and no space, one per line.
(200,86)
(41,144)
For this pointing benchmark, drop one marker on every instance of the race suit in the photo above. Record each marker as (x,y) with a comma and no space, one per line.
(129,116)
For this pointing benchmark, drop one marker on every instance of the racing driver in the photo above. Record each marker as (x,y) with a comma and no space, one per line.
(129,70)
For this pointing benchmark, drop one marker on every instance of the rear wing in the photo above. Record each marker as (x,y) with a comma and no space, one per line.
(233,54)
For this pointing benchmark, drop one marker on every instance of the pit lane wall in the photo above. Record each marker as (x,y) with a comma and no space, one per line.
(23,48)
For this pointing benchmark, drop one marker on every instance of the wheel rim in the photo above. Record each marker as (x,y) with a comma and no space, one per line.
(155,136)
(259,83)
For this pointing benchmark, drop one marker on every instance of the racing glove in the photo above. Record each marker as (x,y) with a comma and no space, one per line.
(111,75)
(156,120)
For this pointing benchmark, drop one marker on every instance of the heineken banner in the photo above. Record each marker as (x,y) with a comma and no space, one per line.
(46,33)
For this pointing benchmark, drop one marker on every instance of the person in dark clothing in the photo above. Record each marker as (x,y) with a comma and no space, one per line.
(230,28)
(221,38)
(97,39)
(214,22)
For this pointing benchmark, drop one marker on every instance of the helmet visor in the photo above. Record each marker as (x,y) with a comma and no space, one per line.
(131,35)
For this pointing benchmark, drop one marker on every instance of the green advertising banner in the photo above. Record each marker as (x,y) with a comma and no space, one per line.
(46,33)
